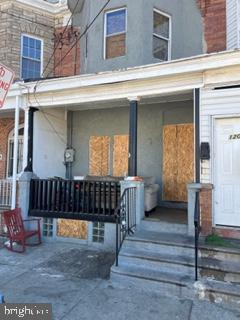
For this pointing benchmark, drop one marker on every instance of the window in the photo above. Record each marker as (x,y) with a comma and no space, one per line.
(31,58)
(115,33)
(98,232)
(11,150)
(161,35)
(47,227)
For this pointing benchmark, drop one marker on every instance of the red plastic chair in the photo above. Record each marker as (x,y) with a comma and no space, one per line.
(16,231)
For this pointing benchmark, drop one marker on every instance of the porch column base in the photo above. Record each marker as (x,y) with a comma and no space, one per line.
(24,193)
(139,185)
(193,188)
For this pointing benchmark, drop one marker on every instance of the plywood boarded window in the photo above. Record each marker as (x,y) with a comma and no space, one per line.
(99,155)
(72,229)
(178,161)
(120,155)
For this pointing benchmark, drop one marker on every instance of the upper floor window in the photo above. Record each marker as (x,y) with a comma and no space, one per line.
(115,33)
(161,35)
(31,57)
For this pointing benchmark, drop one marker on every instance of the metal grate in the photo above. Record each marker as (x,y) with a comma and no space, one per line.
(98,232)
(47,227)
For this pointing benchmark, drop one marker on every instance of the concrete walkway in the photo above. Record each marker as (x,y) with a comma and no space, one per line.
(74,279)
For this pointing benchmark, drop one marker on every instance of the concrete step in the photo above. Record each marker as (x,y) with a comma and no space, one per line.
(157,261)
(162,282)
(208,267)
(166,227)
(220,253)
(218,292)
(174,244)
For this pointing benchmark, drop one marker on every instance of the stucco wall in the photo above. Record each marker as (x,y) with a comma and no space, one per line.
(187,33)
(116,122)
(49,143)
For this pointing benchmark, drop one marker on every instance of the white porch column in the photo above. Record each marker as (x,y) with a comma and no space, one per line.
(15,152)
(139,185)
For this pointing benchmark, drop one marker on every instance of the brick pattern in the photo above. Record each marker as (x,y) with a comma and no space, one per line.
(206,211)
(6,126)
(71,64)
(214,18)
(207,227)
(115,46)
(11,29)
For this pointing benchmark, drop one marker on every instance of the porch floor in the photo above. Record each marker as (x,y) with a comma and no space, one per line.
(171,215)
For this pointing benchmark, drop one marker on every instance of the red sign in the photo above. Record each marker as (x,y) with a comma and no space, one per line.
(6,79)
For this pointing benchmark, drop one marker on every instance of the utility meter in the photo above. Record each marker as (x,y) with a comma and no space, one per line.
(69,155)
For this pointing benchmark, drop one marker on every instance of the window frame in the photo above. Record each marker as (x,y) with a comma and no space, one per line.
(169,40)
(113,34)
(11,139)
(21,53)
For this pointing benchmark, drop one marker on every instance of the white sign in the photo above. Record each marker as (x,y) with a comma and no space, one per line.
(6,79)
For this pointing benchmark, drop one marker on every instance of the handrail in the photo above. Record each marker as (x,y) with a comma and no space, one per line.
(125,214)
(197,231)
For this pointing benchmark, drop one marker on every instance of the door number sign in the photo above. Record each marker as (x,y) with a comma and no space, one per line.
(234,136)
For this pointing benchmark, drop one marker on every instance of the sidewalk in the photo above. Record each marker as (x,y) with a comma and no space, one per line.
(74,279)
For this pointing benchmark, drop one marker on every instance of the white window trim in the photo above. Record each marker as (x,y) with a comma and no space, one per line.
(11,138)
(170,33)
(21,53)
(113,34)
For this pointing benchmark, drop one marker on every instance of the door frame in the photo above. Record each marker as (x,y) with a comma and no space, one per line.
(213,151)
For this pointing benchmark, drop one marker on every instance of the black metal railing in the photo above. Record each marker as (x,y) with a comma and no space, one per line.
(71,199)
(197,227)
(125,215)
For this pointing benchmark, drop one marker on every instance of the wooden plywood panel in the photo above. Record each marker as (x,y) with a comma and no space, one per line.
(120,155)
(169,162)
(99,151)
(178,161)
(185,156)
(72,229)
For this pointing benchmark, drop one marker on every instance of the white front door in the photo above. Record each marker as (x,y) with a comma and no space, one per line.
(227,172)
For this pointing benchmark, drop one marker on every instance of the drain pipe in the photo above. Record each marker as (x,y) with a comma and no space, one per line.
(15,153)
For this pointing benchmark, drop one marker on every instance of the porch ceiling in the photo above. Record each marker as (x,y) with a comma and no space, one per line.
(156,99)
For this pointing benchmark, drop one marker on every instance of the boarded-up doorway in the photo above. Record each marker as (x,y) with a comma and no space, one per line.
(178,161)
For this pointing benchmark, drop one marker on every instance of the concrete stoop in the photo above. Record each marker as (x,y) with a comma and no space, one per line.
(164,263)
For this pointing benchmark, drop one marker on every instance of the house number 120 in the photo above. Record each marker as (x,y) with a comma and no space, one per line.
(234,136)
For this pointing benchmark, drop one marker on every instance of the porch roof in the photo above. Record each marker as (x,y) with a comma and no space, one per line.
(153,80)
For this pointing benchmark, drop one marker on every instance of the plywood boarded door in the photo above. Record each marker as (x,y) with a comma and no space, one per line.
(120,155)
(178,161)
(99,155)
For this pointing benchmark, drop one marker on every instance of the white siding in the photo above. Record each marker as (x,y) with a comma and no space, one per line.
(215,103)
(232,24)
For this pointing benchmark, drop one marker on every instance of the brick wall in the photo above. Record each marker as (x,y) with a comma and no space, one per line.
(71,63)
(6,126)
(214,19)
(206,211)
(207,227)
(11,29)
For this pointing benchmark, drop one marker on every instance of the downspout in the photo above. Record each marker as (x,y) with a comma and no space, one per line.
(15,152)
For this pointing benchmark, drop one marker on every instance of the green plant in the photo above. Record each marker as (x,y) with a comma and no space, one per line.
(216,240)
